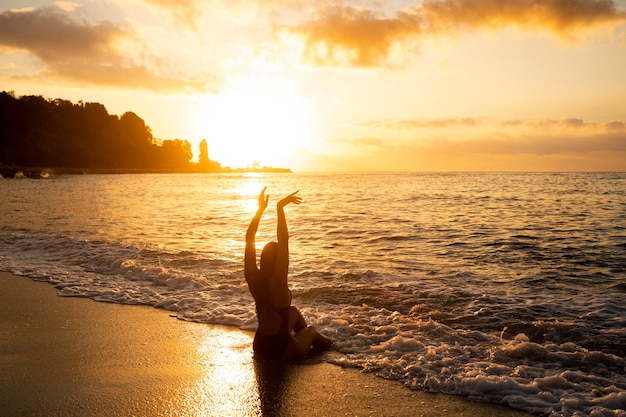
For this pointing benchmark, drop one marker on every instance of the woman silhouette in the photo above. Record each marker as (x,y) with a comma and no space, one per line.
(282,333)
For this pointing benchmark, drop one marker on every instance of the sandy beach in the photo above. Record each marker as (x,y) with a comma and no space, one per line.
(78,357)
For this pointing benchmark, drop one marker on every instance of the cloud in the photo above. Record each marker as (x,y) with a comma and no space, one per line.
(566,124)
(76,50)
(422,124)
(590,146)
(601,152)
(540,137)
(352,36)
(617,126)
(346,35)
(545,137)
(360,142)
(545,145)
(130,77)
(190,12)
(560,16)
(187,11)
(50,34)
(572,124)
(176,4)
(592,138)
(502,144)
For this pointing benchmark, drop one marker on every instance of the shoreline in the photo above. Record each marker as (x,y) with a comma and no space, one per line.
(7,171)
(78,357)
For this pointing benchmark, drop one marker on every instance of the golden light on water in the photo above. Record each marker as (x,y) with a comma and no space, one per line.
(226,385)
(249,190)
(231,376)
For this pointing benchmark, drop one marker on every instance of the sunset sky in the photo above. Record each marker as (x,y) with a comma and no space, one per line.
(354,85)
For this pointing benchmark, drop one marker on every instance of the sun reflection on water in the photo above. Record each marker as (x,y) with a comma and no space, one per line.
(227,385)
(249,190)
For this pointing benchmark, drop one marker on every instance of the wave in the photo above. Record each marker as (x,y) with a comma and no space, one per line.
(501,299)
(427,336)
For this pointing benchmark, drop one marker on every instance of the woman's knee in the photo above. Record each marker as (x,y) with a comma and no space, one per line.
(300,344)
(296,321)
(296,350)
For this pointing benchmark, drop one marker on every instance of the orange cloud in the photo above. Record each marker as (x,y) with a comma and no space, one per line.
(502,144)
(187,11)
(78,51)
(559,16)
(616,126)
(52,35)
(572,124)
(545,137)
(542,145)
(422,124)
(351,36)
(365,141)
(130,77)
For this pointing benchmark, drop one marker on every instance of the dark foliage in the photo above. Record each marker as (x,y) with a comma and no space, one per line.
(36,132)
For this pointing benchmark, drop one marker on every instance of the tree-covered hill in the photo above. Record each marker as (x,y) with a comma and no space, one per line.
(37,132)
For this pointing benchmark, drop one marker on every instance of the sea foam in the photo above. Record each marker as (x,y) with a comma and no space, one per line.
(498,287)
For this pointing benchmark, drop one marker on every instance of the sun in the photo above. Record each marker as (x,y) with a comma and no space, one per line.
(245,127)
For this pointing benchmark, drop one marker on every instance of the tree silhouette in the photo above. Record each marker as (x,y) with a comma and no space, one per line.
(37,132)
(203,157)
(57,133)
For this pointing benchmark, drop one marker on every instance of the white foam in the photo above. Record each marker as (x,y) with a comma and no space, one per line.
(440,290)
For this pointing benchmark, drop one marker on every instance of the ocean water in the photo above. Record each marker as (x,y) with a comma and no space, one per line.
(503,287)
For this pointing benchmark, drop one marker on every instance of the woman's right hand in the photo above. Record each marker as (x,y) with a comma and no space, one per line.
(263,200)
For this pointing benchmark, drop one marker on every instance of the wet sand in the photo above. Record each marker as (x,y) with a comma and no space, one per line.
(78,357)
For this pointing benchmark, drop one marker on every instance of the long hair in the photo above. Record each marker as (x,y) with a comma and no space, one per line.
(268,259)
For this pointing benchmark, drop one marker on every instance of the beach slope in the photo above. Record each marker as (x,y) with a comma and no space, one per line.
(77,357)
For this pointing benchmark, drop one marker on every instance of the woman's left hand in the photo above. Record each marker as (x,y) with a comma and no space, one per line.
(291,198)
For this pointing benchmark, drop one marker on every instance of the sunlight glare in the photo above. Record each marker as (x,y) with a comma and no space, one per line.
(228,385)
(249,190)
(248,127)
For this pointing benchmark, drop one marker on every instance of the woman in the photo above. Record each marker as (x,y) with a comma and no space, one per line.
(282,333)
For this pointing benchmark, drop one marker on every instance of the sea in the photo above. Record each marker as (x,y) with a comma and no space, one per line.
(507,288)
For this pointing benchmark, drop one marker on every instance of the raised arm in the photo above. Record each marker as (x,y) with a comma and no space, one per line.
(282,257)
(250,267)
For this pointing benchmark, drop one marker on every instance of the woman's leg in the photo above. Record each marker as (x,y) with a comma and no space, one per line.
(296,321)
(301,343)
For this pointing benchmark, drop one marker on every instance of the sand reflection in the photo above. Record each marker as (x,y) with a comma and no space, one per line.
(231,382)
(226,385)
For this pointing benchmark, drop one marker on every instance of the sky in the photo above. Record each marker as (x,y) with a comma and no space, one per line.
(353,85)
